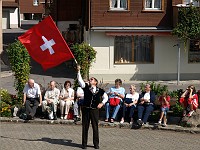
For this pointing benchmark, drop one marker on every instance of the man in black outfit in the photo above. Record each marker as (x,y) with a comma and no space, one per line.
(90,109)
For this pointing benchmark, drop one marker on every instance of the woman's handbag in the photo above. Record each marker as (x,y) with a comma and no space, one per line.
(128,100)
(114,101)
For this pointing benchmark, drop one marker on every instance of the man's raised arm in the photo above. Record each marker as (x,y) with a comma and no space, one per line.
(79,77)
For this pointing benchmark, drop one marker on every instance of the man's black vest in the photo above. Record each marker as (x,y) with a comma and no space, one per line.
(91,100)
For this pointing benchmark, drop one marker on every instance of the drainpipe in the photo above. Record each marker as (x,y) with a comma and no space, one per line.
(56,19)
(19,16)
(89,23)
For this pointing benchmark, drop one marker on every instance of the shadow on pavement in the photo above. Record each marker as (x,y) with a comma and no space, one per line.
(65,142)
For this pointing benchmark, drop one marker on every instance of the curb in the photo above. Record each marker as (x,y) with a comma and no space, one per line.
(175,128)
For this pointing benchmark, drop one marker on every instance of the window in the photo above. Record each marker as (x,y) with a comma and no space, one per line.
(35,2)
(118,4)
(194,51)
(133,49)
(195,3)
(153,4)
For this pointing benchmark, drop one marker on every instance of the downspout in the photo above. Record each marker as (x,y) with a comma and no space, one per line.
(82,23)
(19,18)
(89,24)
(56,11)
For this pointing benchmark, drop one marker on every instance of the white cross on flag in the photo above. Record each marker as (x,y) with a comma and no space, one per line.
(45,44)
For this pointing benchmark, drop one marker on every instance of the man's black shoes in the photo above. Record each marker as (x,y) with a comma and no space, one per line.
(96,147)
(76,119)
(83,147)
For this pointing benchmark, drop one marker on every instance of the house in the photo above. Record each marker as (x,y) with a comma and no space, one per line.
(15,10)
(133,39)
(10,11)
(68,16)
(32,9)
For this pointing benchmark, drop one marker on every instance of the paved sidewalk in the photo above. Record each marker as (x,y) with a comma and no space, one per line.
(125,125)
(28,136)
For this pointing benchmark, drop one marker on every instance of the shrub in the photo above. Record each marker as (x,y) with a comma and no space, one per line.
(177,109)
(19,61)
(5,103)
(5,109)
(156,88)
(84,55)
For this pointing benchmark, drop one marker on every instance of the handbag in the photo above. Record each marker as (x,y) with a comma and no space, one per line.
(114,101)
(128,100)
(22,114)
(70,115)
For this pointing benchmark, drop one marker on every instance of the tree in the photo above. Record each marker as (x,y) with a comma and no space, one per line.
(188,26)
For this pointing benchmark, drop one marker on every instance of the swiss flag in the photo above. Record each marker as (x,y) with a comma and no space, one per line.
(45,44)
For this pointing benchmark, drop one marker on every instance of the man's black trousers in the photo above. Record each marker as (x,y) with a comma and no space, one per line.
(87,115)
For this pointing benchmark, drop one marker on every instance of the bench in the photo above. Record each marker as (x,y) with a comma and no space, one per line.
(153,117)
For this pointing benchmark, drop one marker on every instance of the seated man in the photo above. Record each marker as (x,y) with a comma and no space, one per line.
(32,98)
(51,100)
(145,105)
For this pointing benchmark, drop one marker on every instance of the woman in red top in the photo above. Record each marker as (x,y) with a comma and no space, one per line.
(189,100)
(164,101)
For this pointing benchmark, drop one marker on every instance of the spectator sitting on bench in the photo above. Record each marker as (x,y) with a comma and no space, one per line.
(189,101)
(116,94)
(78,103)
(51,100)
(145,105)
(66,99)
(130,102)
(32,98)
(164,101)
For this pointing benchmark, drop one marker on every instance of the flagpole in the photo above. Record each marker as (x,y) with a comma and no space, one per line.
(63,39)
(75,61)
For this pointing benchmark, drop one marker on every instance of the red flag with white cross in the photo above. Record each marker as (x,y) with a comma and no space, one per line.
(46,45)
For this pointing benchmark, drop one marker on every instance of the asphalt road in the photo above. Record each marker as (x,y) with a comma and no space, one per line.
(68,137)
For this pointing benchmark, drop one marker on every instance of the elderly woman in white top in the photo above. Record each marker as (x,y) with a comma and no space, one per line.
(130,102)
(66,99)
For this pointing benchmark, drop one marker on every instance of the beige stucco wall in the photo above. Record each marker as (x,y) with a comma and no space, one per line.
(164,67)
(1,40)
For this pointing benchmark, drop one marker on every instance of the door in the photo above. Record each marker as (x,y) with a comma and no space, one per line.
(5,19)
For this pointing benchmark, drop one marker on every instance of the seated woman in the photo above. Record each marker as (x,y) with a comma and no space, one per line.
(189,101)
(116,94)
(145,105)
(66,99)
(130,102)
